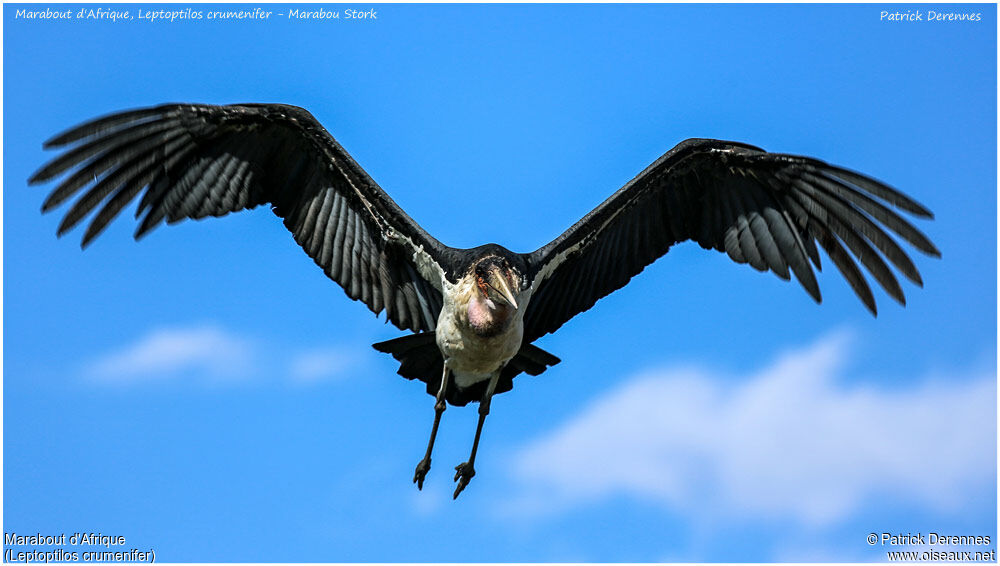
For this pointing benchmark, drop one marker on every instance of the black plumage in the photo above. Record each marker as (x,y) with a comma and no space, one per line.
(771,211)
(193,161)
(765,209)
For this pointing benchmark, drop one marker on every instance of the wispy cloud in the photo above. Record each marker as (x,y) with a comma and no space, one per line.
(318,364)
(206,349)
(208,352)
(790,441)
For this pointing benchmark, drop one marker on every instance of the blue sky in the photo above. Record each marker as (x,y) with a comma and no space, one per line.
(209,394)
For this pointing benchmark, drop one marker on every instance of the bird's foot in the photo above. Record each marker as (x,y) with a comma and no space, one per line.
(463,473)
(422,468)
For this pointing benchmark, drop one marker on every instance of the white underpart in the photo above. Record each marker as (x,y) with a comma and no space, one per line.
(472,358)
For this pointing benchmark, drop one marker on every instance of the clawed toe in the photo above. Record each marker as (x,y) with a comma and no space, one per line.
(422,468)
(463,473)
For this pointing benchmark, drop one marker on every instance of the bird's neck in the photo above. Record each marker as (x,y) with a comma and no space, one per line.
(488,318)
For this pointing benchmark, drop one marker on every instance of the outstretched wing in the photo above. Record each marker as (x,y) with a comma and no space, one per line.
(765,209)
(192,161)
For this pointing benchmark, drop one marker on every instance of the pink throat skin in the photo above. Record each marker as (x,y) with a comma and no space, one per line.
(487,317)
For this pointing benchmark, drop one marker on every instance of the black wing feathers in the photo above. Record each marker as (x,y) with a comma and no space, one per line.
(766,210)
(193,161)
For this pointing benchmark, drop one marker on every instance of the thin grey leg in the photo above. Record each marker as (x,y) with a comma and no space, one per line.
(439,406)
(466,470)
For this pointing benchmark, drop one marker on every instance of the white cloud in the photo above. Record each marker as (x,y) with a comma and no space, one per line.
(167,351)
(209,352)
(789,441)
(315,365)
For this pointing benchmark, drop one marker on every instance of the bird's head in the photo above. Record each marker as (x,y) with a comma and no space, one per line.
(497,281)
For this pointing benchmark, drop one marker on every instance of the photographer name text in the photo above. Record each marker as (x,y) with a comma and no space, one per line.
(929,16)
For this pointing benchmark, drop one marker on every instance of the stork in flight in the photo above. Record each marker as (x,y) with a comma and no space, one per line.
(474,313)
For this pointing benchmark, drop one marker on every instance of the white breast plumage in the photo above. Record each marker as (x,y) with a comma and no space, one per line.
(470,357)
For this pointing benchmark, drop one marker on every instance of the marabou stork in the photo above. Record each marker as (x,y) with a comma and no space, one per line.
(474,313)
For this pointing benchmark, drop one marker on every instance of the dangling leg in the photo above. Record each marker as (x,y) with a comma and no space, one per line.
(465,471)
(439,406)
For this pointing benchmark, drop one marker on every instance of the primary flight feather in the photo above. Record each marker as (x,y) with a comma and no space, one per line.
(475,312)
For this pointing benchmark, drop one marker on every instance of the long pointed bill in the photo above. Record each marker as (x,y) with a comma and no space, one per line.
(498,283)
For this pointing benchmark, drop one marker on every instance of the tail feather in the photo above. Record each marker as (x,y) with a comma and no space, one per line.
(421,359)
(533,360)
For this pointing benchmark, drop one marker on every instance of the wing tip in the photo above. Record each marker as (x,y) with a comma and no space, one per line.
(869,301)
(37,177)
